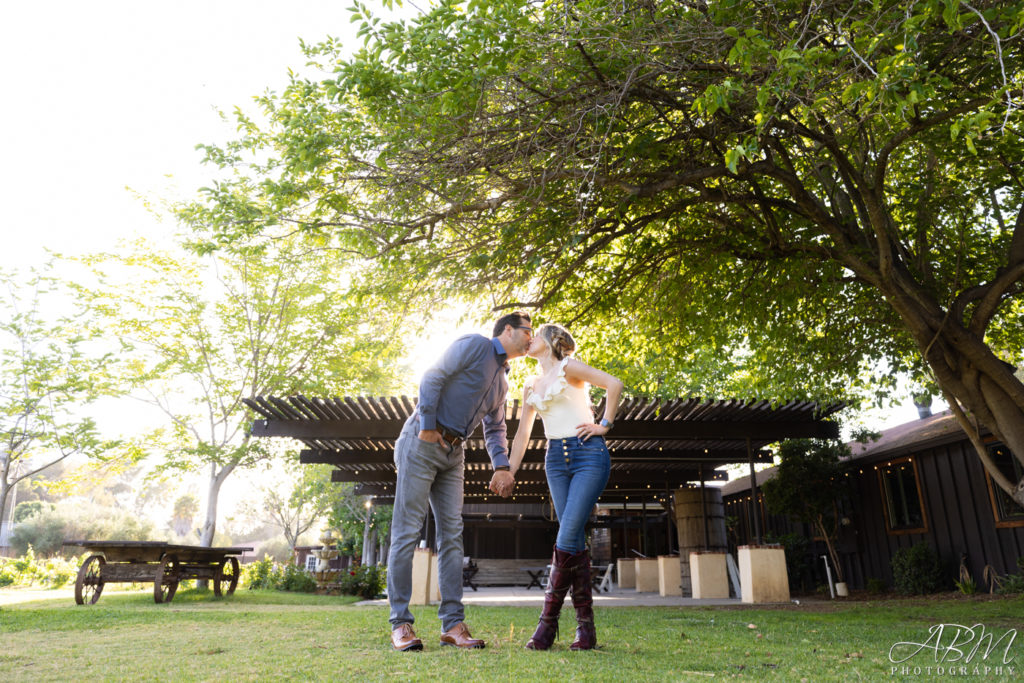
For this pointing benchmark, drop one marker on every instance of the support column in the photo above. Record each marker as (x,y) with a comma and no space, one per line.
(753,495)
(703,507)
(625,530)
(643,526)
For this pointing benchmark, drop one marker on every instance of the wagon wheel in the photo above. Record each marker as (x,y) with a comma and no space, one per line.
(228,575)
(166,581)
(89,585)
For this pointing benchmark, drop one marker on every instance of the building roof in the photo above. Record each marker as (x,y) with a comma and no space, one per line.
(930,431)
(934,430)
(656,445)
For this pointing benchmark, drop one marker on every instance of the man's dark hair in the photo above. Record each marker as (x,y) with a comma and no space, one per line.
(514,319)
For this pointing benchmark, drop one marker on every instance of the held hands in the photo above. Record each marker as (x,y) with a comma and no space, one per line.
(502,483)
(589,429)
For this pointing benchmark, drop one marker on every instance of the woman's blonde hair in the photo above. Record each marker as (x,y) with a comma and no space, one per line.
(558,338)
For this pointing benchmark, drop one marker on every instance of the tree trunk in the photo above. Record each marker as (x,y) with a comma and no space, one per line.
(830,544)
(210,524)
(5,515)
(972,378)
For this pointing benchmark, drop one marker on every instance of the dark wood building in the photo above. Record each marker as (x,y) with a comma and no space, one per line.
(921,481)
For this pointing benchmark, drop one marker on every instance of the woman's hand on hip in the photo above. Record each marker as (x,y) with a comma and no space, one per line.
(589,429)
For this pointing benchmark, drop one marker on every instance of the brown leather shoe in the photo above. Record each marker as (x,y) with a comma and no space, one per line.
(404,638)
(458,636)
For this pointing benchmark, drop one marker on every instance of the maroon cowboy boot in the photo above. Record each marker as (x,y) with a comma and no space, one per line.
(563,569)
(583,601)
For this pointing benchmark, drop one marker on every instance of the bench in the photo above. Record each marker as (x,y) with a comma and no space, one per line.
(504,572)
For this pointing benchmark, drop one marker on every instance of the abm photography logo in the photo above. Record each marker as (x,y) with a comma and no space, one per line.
(956,650)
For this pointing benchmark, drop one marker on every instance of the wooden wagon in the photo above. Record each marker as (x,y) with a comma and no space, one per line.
(162,563)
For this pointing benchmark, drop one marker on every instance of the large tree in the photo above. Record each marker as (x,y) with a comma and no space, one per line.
(202,334)
(769,197)
(52,372)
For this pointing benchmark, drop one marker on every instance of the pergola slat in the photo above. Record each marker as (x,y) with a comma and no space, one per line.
(655,443)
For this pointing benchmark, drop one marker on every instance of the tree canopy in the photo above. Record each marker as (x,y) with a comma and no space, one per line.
(765,199)
(201,335)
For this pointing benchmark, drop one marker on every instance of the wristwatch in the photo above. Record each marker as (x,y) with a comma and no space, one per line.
(500,468)
(606,424)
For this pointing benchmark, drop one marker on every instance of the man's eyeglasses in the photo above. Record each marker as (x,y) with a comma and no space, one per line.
(529,330)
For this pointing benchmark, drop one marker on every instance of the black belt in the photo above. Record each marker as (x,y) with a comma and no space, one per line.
(448,435)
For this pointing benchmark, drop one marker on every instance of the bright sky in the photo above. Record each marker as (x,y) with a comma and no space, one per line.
(104,96)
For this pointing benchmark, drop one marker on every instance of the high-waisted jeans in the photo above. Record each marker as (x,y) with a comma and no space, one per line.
(577,472)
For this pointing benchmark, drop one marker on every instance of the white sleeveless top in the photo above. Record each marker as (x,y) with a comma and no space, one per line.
(562,407)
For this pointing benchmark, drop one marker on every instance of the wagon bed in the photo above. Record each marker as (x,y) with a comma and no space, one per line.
(164,564)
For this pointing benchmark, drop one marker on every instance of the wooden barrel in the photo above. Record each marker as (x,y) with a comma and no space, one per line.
(690,522)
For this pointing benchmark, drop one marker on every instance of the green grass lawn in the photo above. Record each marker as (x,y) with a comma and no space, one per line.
(257,635)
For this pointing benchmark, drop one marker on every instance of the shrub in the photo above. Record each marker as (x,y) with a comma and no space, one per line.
(1013,583)
(48,527)
(366,582)
(295,578)
(28,570)
(876,586)
(7,574)
(917,570)
(267,574)
(43,530)
(60,571)
(28,508)
(259,574)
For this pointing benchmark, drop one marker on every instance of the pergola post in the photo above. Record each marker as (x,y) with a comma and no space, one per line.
(753,495)
(668,520)
(643,526)
(704,508)
(625,530)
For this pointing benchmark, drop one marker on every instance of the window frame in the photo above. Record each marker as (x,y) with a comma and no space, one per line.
(923,529)
(309,557)
(1000,521)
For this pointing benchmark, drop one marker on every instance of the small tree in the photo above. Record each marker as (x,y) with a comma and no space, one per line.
(808,485)
(311,498)
(186,507)
(50,374)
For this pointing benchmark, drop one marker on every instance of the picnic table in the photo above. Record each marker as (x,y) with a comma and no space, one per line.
(598,576)
(538,576)
(162,563)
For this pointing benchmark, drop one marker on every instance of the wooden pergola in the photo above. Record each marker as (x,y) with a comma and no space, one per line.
(656,445)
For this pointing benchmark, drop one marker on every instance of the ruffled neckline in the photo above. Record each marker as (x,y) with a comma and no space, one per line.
(556,387)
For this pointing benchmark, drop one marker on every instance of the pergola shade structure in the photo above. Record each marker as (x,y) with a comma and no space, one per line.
(656,445)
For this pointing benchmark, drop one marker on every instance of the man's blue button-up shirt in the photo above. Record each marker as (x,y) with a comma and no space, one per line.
(466,387)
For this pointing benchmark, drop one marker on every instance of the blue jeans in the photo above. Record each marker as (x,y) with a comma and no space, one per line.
(577,472)
(427,474)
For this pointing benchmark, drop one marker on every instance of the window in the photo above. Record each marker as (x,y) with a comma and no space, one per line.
(901,493)
(311,562)
(1006,510)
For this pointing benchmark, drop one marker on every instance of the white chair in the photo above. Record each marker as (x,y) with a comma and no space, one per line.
(603,582)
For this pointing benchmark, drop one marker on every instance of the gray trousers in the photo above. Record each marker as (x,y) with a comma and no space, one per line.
(427,473)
